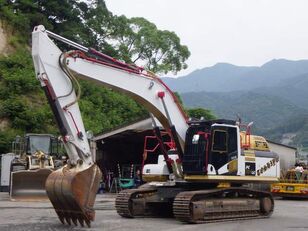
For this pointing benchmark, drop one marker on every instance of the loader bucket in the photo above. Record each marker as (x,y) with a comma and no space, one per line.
(29,185)
(72,193)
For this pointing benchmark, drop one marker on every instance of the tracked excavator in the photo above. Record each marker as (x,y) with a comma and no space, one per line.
(184,183)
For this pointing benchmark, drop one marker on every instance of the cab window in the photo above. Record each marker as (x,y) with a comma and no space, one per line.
(220,138)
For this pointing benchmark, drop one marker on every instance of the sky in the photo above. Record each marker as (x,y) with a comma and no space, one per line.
(240,32)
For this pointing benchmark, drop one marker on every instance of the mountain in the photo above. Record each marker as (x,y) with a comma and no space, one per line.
(274,117)
(265,110)
(215,78)
(224,77)
(292,132)
(274,96)
(294,89)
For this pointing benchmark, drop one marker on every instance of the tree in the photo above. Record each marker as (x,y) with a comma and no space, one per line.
(179,98)
(91,24)
(197,112)
(160,51)
(200,112)
(135,40)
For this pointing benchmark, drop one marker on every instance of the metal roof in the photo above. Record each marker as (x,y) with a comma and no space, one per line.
(141,125)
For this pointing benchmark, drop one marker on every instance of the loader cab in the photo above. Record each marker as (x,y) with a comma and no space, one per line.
(31,143)
(38,142)
(211,147)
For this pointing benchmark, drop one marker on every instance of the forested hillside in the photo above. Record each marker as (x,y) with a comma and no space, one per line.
(267,112)
(23,107)
(274,96)
(225,77)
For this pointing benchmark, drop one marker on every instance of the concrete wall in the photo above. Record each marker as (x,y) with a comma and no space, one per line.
(287,155)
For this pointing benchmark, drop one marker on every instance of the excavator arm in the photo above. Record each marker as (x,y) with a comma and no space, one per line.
(72,189)
(146,88)
(61,96)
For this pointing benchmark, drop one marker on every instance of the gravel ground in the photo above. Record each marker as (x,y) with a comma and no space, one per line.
(289,215)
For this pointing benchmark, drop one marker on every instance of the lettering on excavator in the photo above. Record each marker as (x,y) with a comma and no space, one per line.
(267,166)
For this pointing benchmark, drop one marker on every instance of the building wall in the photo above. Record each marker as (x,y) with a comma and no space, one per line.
(287,155)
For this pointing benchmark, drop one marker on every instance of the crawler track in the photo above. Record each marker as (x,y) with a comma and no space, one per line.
(222,205)
(132,202)
(200,206)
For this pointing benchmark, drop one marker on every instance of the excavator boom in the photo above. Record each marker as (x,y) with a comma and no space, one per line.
(72,188)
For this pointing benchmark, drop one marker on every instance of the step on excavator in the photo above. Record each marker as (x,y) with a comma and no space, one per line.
(185,183)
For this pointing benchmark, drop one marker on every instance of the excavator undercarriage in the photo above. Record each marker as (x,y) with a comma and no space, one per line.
(201,206)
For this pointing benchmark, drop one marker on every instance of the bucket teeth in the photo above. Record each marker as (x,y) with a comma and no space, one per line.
(81,222)
(74,220)
(72,193)
(61,218)
(88,223)
(68,220)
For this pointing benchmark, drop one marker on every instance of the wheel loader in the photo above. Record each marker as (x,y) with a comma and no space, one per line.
(32,165)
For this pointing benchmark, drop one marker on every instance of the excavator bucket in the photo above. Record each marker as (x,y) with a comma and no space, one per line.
(29,185)
(72,193)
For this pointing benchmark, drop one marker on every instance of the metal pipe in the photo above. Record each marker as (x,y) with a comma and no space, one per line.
(161,143)
(173,130)
(67,41)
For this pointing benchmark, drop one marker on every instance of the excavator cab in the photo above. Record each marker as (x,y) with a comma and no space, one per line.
(224,149)
(209,147)
(32,166)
